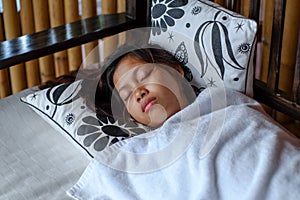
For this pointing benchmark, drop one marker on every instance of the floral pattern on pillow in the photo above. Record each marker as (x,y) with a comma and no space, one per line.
(64,109)
(164,14)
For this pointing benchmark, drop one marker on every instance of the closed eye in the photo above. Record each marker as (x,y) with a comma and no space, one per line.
(144,72)
(125,94)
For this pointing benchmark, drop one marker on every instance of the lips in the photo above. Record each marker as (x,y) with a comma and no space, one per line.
(147,103)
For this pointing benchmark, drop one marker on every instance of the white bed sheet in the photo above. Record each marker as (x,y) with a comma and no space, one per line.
(36,161)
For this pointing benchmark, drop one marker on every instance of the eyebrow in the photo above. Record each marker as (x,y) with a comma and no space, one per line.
(134,73)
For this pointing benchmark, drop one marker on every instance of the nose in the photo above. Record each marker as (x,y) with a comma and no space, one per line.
(140,93)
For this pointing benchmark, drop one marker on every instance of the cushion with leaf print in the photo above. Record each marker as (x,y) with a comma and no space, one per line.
(215,44)
(64,109)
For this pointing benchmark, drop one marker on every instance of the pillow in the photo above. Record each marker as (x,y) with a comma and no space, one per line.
(64,109)
(217,45)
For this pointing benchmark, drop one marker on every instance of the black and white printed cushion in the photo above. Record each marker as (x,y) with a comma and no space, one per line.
(217,45)
(65,110)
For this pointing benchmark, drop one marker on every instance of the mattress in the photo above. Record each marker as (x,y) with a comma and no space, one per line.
(36,162)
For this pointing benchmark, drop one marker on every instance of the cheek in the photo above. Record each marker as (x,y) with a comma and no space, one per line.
(133,108)
(168,82)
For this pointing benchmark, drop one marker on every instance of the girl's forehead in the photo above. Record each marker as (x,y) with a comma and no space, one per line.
(125,65)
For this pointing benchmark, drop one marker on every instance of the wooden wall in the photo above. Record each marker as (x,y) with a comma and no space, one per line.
(38,15)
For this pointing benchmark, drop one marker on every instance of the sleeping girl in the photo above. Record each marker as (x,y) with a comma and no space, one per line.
(217,144)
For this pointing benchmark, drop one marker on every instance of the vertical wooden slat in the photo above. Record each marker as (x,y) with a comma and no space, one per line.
(4,78)
(12,30)
(276,44)
(254,10)
(27,26)
(121,7)
(90,51)
(268,12)
(220,2)
(71,15)
(276,52)
(238,6)
(245,7)
(41,21)
(296,84)
(231,4)
(88,8)
(289,45)
(110,43)
(56,12)
(109,6)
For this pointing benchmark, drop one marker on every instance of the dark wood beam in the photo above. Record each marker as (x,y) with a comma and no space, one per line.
(46,42)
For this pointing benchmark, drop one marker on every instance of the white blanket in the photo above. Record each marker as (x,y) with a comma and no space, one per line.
(223,146)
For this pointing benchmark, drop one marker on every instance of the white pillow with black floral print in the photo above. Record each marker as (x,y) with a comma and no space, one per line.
(65,110)
(217,45)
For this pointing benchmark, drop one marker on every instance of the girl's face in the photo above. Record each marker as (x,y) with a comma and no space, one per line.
(151,92)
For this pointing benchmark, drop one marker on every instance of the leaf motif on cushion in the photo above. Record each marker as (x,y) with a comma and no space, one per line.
(219,41)
(62,94)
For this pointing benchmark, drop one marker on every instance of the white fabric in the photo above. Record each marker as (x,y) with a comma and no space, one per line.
(228,149)
(36,162)
(67,112)
(203,35)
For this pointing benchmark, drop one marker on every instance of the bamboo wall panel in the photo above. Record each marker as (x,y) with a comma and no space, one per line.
(109,43)
(72,14)
(121,7)
(41,21)
(288,53)
(39,15)
(27,27)
(4,78)
(289,45)
(91,52)
(56,13)
(12,30)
